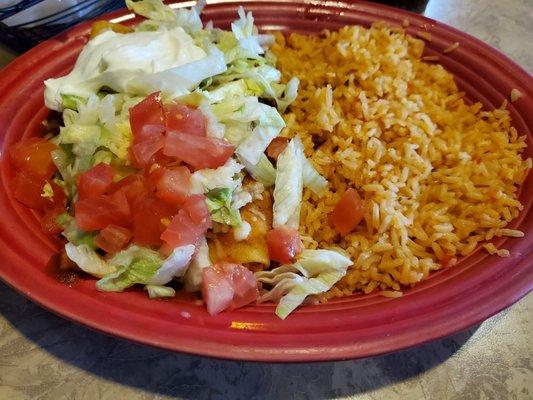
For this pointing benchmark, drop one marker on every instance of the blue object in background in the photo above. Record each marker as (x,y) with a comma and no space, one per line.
(25,23)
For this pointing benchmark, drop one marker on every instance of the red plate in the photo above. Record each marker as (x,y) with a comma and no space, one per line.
(449,301)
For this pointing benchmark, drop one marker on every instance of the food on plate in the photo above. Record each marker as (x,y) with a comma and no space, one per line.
(435,176)
(252,168)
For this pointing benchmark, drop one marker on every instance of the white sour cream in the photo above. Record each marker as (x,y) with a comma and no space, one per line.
(113,59)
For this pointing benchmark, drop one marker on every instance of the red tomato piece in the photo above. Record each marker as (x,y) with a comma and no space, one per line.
(216,289)
(147,112)
(174,185)
(348,212)
(33,157)
(59,199)
(184,119)
(276,147)
(191,222)
(148,214)
(113,238)
(96,213)
(133,186)
(226,286)
(197,210)
(197,151)
(95,181)
(243,282)
(182,230)
(284,244)
(27,189)
(146,145)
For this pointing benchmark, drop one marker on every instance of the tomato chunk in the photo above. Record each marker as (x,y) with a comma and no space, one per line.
(113,238)
(133,186)
(98,212)
(95,181)
(27,189)
(146,144)
(148,214)
(284,244)
(216,289)
(191,222)
(33,157)
(226,286)
(243,282)
(184,119)
(147,112)
(174,185)
(276,147)
(348,212)
(197,151)
(196,208)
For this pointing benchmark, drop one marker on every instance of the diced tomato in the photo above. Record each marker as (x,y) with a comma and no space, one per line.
(216,289)
(243,282)
(147,112)
(276,147)
(197,210)
(197,151)
(191,222)
(284,244)
(348,212)
(96,213)
(182,230)
(226,286)
(95,181)
(113,238)
(58,200)
(33,157)
(27,189)
(145,146)
(174,185)
(184,119)
(133,186)
(148,214)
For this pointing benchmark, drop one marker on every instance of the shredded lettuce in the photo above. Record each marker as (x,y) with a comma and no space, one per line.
(251,148)
(88,260)
(226,176)
(263,171)
(139,265)
(219,204)
(73,233)
(142,267)
(180,80)
(152,9)
(319,269)
(156,291)
(174,266)
(71,101)
(289,186)
(312,179)
(193,276)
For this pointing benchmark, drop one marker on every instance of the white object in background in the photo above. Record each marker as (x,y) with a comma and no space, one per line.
(47,8)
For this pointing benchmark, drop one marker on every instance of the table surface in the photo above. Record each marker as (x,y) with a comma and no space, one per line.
(43,356)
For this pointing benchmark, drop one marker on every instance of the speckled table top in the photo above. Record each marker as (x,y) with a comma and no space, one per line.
(43,356)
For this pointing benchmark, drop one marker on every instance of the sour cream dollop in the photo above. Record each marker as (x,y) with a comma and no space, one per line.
(114,60)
